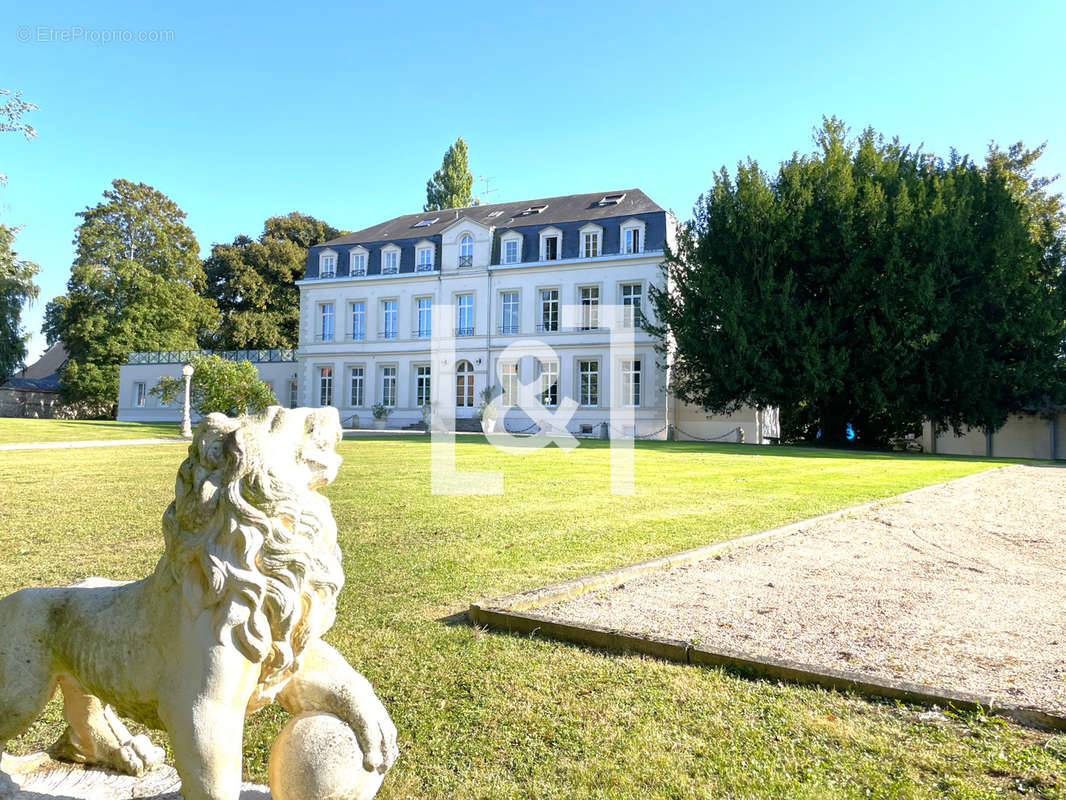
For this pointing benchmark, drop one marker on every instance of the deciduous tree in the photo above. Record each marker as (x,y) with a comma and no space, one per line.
(16,288)
(450,186)
(135,284)
(218,384)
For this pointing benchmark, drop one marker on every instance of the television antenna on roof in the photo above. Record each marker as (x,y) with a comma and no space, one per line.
(485,190)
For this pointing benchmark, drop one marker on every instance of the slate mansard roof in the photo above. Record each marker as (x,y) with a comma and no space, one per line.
(567,212)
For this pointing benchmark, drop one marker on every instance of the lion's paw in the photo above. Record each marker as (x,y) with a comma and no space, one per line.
(139,755)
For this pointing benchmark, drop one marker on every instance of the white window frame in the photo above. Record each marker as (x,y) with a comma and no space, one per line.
(549,233)
(629,317)
(639,228)
(350,335)
(589,307)
(590,241)
(548,379)
(389,253)
(542,327)
(327,310)
(325,385)
(385,310)
(140,394)
(424,253)
(460,306)
(632,390)
(467,378)
(516,240)
(327,264)
(505,329)
(507,373)
(582,399)
(357,260)
(423,315)
(466,259)
(388,379)
(356,400)
(423,385)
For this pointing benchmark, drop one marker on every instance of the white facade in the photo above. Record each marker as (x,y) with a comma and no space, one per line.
(488,307)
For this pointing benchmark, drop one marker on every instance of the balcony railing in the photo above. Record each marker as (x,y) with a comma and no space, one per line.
(464,331)
(466,261)
(547,327)
(355,336)
(387,335)
(508,330)
(424,268)
(323,337)
(359,272)
(184,356)
(422,333)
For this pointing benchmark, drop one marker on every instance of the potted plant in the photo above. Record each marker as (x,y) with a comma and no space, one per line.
(381,415)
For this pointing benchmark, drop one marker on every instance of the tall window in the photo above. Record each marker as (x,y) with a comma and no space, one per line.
(549,310)
(325,322)
(589,387)
(510,251)
(590,244)
(389,316)
(294,395)
(388,387)
(325,386)
(508,372)
(509,312)
(391,262)
(631,293)
(464,385)
(425,259)
(358,264)
(327,265)
(422,386)
(631,383)
(549,382)
(358,328)
(358,378)
(551,248)
(464,320)
(139,395)
(590,307)
(466,251)
(631,243)
(425,316)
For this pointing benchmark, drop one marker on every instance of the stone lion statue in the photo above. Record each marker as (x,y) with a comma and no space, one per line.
(229,620)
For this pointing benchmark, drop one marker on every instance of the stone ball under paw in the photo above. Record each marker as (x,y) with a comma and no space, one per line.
(317,757)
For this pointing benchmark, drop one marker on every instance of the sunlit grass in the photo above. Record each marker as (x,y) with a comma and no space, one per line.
(486,715)
(13,430)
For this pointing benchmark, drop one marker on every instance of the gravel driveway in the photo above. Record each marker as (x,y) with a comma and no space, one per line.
(962,587)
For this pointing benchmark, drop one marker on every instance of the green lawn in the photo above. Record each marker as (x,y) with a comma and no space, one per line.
(14,430)
(487,715)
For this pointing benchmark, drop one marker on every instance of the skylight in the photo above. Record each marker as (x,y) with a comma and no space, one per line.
(494,214)
(534,209)
(612,199)
(425,223)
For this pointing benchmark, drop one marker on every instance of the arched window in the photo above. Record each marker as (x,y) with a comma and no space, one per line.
(466,251)
(464,385)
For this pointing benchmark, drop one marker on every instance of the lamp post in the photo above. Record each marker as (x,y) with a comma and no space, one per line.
(186,422)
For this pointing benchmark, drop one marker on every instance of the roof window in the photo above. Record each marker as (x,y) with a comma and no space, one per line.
(534,209)
(425,223)
(612,199)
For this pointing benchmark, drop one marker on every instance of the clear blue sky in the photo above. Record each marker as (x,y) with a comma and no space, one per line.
(343,110)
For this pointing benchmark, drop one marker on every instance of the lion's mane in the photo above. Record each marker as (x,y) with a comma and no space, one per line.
(258,550)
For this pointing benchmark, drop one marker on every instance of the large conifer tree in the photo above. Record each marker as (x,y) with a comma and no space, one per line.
(451,185)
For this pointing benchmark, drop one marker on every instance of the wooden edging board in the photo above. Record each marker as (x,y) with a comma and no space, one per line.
(514,613)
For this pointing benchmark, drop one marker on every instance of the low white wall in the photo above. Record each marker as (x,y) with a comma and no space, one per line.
(1022,436)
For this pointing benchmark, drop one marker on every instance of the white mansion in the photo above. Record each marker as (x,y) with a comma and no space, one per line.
(527,293)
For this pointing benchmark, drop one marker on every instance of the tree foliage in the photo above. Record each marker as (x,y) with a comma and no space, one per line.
(873,284)
(16,288)
(253,283)
(451,185)
(217,384)
(135,284)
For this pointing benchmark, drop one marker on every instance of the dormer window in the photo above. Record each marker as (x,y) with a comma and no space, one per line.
(390,260)
(551,244)
(632,234)
(327,264)
(466,250)
(357,262)
(591,241)
(511,248)
(424,257)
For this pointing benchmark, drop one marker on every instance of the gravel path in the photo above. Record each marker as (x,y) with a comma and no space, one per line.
(962,587)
